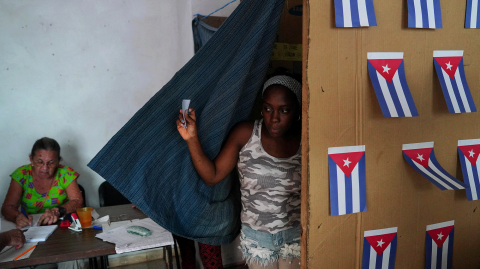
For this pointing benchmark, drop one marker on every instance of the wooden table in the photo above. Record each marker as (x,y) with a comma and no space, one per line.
(66,245)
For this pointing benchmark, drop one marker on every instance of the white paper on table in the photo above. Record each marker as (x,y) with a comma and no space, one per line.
(39,233)
(8,254)
(126,242)
(101,221)
(8,225)
(185,106)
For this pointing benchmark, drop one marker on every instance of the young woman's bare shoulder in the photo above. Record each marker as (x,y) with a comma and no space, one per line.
(242,131)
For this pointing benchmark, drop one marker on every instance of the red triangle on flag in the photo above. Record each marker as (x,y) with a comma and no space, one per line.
(386,67)
(420,156)
(440,235)
(380,242)
(471,152)
(449,64)
(347,161)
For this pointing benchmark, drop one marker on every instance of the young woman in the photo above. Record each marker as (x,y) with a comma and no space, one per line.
(267,154)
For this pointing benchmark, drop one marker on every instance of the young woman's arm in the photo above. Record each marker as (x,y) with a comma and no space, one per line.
(214,171)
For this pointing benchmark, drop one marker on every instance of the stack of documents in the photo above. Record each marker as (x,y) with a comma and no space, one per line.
(126,242)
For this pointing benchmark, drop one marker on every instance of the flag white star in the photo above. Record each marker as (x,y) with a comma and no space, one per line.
(346,162)
(380,243)
(386,68)
(440,235)
(420,157)
(471,153)
(449,66)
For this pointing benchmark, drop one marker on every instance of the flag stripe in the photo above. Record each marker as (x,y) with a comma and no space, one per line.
(347,18)
(461,91)
(434,254)
(476,174)
(341,191)
(456,91)
(429,244)
(372,259)
(362,184)
(385,91)
(468,94)
(418,14)
(432,176)
(354,13)
(393,253)
(362,12)
(473,14)
(450,247)
(452,100)
(405,93)
(437,170)
(438,14)
(401,96)
(396,101)
(372,19)
(431,14)
(472,191)
(332,168)
(386,257)
(348,193)
(356,189)
(445,253)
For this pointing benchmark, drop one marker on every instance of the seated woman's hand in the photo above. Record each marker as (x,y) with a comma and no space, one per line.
(22,221)
(191,130)
(49,217)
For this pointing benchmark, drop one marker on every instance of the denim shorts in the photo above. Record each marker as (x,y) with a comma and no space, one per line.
(265,248)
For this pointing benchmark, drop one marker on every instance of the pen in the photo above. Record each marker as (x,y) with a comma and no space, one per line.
(97,227)
(26,251)
(24,212)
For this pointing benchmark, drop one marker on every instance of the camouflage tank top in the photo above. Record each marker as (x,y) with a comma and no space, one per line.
(270,186)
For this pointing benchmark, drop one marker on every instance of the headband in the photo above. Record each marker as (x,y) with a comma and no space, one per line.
(288,82)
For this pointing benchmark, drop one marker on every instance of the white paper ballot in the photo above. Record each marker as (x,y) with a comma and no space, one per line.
(185,106)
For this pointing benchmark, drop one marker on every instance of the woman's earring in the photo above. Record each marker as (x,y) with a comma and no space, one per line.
(261,113)
(299,118)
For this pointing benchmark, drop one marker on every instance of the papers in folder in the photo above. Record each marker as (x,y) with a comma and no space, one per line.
(126,242)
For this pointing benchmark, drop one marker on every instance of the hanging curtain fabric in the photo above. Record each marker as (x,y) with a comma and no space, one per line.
(202,32)
(148,161)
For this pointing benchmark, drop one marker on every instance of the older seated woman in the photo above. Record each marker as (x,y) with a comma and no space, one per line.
(43,186)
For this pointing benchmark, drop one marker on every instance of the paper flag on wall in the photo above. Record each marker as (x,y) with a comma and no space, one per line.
(354,13)
(421,157)
(471,17)
(379,248)
(388,78)
(346,166)
(468,154)
(449,66)
(439,245)
(424,14)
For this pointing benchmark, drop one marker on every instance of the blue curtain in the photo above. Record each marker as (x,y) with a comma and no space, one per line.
(148,161)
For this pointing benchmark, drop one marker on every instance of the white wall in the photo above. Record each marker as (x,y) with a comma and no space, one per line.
(77,71)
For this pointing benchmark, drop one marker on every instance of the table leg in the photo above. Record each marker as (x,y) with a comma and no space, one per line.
(169,258)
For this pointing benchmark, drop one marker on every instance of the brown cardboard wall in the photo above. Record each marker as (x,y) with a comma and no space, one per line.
(342,110)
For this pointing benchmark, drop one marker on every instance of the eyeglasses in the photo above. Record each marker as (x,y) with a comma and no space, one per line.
(50,164)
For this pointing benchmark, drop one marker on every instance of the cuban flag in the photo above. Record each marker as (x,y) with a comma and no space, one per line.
(449,66)
(421,157)
(424,14)
(468,151)
(346,166)
(379,249)
(471,17)
(388,78)
(439,245)
(354,13)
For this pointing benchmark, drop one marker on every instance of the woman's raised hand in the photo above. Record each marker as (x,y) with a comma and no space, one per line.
(191,130)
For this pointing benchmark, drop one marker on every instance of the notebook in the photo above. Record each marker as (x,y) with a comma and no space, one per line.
(39,233)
